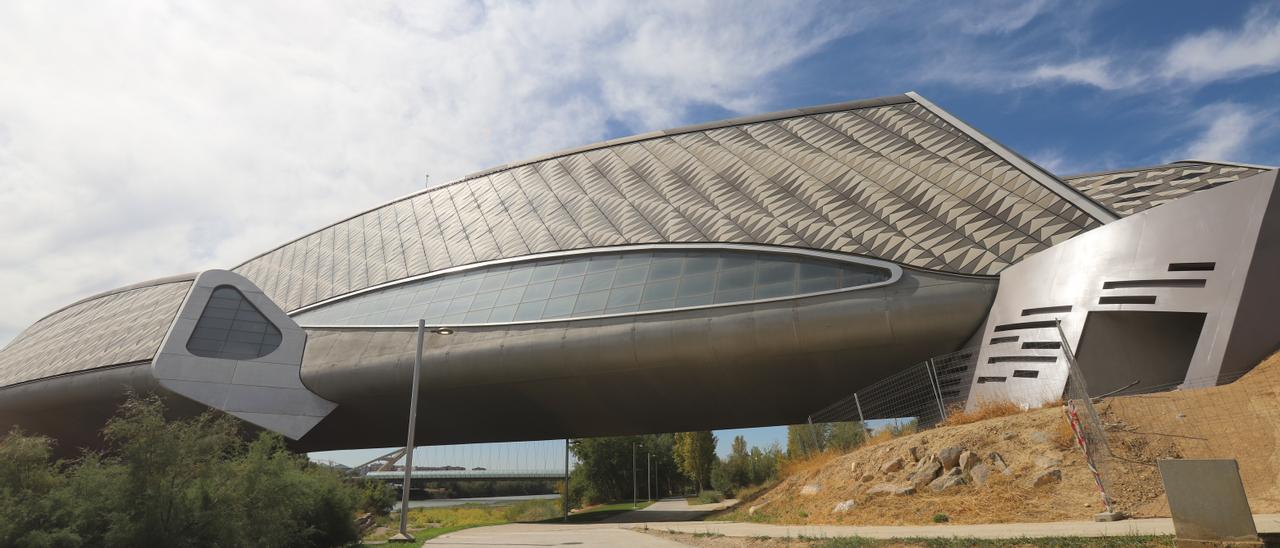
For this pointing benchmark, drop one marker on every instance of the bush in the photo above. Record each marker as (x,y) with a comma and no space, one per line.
(376,497)
(171,483)
(710,497)
(534,510)
(941,518)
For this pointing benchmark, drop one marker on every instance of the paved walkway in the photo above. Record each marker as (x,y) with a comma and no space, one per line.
(669,510)
(1266,523)
(541,534)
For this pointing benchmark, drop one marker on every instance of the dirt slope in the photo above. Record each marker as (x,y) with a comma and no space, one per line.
(1240,420)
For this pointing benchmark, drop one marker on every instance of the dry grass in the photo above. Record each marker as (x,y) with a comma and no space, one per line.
(808,464)
(1064,437)
(981,412)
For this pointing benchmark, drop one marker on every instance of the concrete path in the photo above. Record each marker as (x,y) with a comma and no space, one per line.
(669,510)
(1266,523)
(539,534)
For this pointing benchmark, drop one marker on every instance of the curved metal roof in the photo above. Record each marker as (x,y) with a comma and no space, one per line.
(892,178)
(1130,191)
(117,327)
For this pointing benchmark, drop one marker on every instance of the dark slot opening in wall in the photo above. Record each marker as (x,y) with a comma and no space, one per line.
(1025,373)
(984,380)
(1128,299)
(1026,325)
(998,340)
(1046,310)
(1042,345)
(1022,359)
(1190,267)
(1122,346)
(1188,282)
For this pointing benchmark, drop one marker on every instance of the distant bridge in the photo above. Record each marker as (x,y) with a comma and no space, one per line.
(469,475)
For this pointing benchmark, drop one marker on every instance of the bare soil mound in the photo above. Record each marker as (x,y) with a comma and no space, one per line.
(1032,470)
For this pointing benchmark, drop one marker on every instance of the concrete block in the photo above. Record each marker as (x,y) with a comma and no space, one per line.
(1207,501)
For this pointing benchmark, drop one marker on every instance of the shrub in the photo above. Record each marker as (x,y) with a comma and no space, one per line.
(941,518)
(533,510)
(376,497)
(710,497)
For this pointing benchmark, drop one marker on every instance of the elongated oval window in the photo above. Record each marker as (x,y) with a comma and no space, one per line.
(596,285)
(231,328)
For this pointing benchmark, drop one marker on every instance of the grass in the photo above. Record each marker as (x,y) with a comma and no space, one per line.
(983,411)
(599,513)
(427,523)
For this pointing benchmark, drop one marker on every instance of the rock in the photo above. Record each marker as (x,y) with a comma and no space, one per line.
(1046,477)
(892,466)
(979,474)
(1045,462)
(1010,435)
(950,457)
(925,474)
(810,489)
(868,477)
(917,453)
(891,489)
(853,466)
(843,507)
(946,481)
(1039,437)
(752,510)
(968,460)
(997,462)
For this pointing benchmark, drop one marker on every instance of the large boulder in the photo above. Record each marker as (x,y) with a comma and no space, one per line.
(892,466)
(968,460)
(927,472)
(917,452)
(843,507)
(891,489)
(979,474)
(950,457)
(946,481)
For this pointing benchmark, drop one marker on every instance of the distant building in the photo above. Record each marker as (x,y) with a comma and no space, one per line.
(732,274)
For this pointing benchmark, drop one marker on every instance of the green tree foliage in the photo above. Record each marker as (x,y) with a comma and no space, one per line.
(744,467)
(604,471)
(695,453)
(168,483)
(804,440)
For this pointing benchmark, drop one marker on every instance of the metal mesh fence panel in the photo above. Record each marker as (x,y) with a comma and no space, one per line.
(923,392)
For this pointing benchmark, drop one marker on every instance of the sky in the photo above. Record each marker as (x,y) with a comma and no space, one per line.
(149,138)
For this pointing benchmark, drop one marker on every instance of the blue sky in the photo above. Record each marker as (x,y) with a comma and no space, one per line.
(158,137)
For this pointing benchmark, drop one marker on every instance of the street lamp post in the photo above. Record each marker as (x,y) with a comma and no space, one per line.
(403,535)
(648,471)
(633,476)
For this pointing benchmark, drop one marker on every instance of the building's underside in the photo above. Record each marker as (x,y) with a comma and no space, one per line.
(741,273)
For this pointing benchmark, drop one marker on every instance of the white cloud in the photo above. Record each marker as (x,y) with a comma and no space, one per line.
(993,17)
(1225,54)
(1226,131)
(149,138)
(1098,72)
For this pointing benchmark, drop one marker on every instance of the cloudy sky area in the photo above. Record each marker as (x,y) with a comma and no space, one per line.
(149,138)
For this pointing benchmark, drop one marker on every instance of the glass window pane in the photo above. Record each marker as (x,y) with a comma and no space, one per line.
(811,270)
(737,278)
(597,281)
(630,276)
(602,263)
(438,309)
(559,307)
(700,264)
(460,304)
(519,276)
(477,316)
(493,282)
(509,296)
(572,267)
(667,267)
(445,292)
(818,284)
(658,305)
(775,290)
(621,296)
(485,300)
(567,286)
(536,292)
(694,300)
(697,284)
(469,286)
(734,295)
(634,259)
(591,302)
(544,272)
(454,317)
(530,311)
(773,271)
(736,260)
(502,314)
(660,291)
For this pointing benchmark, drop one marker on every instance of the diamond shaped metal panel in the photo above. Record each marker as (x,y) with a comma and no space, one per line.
(1131,191)
(888,178)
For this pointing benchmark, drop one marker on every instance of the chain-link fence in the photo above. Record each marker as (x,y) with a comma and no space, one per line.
(924,392)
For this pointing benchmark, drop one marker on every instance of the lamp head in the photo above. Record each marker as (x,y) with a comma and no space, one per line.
(442,330)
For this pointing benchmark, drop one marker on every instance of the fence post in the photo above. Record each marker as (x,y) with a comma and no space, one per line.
(936,387)
(1077,386)
(814,432)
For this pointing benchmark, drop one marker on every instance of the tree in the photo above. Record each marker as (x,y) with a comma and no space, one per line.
(845,436)
(804,440)
(694,453)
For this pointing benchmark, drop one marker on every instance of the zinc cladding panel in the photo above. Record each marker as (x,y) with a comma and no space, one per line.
(119,328)
(1133,191)
(895,182)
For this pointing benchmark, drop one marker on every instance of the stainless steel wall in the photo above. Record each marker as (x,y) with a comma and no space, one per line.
(733,366)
